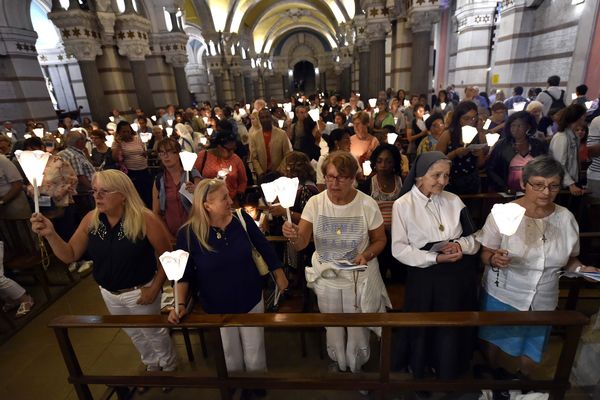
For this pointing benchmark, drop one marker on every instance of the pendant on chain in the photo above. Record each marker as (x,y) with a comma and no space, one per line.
(441,228)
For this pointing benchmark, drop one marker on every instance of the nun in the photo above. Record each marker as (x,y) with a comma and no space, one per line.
(432,234)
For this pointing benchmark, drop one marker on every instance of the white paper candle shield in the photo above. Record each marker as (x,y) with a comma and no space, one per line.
(111,127)
(487,124)
(291,114)
(376,110)
(468,134)
(135,127)
(9,134)
(153,118)
(112,119)
(205,119)
(169,131)
(203,141)
(519,106)
(33,164)
(270,191)
(280,123)
(443,106)
(573,96)
(366,167)
(209,131)
(187,160)
(391,137)
(145,136)
(426,116)
(287,107)
(110,140)
(39,132)
(492,138)
(588,105)
(174,263)
(395,120)
(406,103)
(61,130)
(372,102)
(170,122)
(314,114)
(286,192)
(508,217)
(243,112)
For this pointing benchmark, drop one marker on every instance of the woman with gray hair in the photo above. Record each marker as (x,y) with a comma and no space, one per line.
(432,235)
(521,272)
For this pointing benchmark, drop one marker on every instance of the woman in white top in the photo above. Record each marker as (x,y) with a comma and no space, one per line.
(440,278)
(346,226)
(521,270)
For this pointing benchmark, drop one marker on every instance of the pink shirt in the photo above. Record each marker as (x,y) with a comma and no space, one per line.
(515,171)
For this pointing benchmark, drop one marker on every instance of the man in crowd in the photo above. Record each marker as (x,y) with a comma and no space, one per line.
(517,97)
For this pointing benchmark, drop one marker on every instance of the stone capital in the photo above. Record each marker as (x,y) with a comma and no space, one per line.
(378,29)
(422,21)
(80,33)
(17,41)
(132,36)
(480,14)
(172,45)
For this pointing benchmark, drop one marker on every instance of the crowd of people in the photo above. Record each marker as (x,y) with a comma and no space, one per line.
(379,187)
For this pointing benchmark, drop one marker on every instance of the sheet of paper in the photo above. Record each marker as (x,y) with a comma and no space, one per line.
(188,195)
(347,265)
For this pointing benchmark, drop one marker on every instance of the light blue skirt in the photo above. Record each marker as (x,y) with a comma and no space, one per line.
(516,341)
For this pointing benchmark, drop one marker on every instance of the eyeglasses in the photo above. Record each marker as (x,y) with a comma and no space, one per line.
(337,179)
(540,187)
(102,192)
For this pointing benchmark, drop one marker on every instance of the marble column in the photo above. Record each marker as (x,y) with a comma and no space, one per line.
(249,88)
(364,64)
(378,26)
(421,17)
(475,23)
(143,90)
(219,89)
(183,93)
(132,36)
(173,48)
(401,55)
(80,36)
(239,91)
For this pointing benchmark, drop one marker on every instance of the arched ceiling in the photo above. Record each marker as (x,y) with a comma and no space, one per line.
(263,21)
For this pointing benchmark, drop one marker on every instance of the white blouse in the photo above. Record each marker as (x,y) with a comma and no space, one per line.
(531,279)
(416,221)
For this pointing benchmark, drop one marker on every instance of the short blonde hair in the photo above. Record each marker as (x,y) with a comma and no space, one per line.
(534,105)
(343,161)
(134,222)
(199,221)
(363,116)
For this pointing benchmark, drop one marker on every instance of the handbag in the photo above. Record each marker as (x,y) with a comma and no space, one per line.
(259,261)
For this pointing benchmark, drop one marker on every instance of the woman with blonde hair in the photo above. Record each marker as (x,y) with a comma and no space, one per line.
(123,239)
(222,272)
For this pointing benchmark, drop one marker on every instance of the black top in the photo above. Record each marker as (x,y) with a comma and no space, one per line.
(226,280)
(118,262)
(498,165)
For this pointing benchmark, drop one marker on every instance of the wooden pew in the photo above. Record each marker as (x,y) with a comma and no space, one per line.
(380,383)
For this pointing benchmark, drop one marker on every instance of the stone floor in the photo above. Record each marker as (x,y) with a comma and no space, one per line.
(31,366)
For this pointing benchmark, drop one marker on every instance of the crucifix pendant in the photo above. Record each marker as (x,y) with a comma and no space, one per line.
(441,227)
(219,235)
(544,238)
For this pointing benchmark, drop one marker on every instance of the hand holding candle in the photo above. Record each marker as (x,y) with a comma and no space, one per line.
(174,263)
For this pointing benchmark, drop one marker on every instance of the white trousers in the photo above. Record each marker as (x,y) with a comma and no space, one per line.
(10,291)
(154,344)
(244,347)
(351,352)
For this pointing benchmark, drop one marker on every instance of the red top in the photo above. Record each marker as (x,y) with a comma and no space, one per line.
(175,214)
(236,178)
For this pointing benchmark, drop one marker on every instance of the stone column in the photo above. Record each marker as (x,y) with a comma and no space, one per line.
(173,48)
(363,68)
(248,87)
(401,55)
(475,21)
(378,26)
(239,92)
(79,31)
(421,17)
(132,41)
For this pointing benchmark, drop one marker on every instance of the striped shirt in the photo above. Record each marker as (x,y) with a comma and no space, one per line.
(593,171)
(134,154)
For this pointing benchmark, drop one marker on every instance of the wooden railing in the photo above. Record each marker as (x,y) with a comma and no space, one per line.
(380,383)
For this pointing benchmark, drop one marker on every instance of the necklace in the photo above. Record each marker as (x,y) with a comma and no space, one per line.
(436,215)
(542,232)
(218,232)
